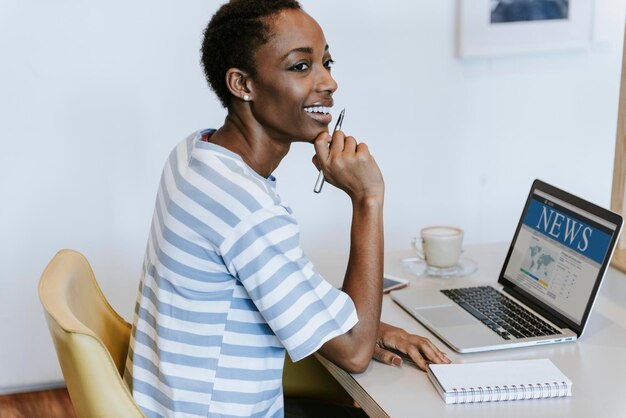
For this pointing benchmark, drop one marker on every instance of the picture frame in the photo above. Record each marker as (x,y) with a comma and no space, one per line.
(490,28)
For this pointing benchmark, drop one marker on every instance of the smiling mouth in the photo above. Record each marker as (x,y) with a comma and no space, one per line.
(319,113)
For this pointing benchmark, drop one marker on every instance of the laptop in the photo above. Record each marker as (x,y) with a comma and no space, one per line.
(551,276)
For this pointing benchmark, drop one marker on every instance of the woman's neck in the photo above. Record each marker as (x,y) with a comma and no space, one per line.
(252,143)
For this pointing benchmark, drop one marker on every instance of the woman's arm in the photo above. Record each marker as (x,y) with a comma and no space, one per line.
(350,167)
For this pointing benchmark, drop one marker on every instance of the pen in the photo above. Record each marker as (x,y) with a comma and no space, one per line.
(320,177)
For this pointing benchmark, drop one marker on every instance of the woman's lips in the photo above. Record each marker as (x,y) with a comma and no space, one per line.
(320,114)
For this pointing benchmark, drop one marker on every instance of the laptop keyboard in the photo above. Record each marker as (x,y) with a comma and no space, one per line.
(504,317)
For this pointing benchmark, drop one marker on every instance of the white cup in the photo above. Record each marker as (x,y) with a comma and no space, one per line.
(439,246)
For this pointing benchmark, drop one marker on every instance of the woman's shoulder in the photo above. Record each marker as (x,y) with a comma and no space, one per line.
(216,170)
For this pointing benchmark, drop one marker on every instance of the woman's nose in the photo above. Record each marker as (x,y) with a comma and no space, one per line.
(326,82)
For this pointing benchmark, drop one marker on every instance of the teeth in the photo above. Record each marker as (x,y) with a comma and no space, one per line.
(317,109)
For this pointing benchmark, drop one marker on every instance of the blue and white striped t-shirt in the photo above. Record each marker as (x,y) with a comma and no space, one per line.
(225,290)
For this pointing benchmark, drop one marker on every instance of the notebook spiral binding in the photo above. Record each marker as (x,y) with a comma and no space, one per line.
(510,393)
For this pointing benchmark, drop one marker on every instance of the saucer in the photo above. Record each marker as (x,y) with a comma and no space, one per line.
(418,267)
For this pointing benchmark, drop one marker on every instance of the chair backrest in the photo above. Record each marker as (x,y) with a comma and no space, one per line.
(90,338)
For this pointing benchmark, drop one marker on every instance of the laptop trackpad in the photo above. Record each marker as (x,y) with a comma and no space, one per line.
(445,316)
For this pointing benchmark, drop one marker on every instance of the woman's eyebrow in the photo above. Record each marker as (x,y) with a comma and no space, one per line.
(304,50)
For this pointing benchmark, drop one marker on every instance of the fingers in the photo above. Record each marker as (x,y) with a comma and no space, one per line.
(335,146)
(420,356)
(350,145)
(337,143)
(419,349)
(321,148)
(316,163)
(416,356)
(362,148)
(342,144)
(348,165)
(325,146)
(387,357)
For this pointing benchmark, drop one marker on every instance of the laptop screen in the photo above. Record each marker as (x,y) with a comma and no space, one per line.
(559,254)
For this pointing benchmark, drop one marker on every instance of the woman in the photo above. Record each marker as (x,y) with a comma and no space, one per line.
(226,288)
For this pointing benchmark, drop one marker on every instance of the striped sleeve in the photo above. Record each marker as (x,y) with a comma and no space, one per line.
(302,309)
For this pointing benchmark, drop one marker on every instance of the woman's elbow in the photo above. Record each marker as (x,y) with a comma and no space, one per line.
(357,367)
(352,356)
(357,362)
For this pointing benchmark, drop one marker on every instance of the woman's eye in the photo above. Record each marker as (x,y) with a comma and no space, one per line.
(301,66)
(329,63)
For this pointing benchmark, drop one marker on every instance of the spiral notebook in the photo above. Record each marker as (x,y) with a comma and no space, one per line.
(499,381)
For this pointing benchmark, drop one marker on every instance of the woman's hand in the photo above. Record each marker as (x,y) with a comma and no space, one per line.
(348,165)
(419,349)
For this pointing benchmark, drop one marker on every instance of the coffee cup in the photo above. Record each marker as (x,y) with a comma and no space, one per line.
(439,246)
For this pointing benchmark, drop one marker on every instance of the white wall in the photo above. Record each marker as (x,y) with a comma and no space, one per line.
(93,95)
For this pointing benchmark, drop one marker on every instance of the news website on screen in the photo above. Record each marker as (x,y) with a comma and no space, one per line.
(558,254)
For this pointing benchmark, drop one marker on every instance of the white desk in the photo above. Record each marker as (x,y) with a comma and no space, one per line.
(596,363)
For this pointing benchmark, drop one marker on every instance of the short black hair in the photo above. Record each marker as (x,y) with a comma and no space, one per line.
(233,35)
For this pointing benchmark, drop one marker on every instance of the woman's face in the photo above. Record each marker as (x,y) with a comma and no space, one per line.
(293,88)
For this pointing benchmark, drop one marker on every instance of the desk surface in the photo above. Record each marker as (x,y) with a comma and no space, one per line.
(596,363)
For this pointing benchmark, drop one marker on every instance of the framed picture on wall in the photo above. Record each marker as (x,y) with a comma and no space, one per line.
(505,27)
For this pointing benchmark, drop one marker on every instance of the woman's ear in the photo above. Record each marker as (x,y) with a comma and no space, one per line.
(238,84)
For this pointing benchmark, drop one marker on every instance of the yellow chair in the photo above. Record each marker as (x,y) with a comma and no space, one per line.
(91,342)
(90,338)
